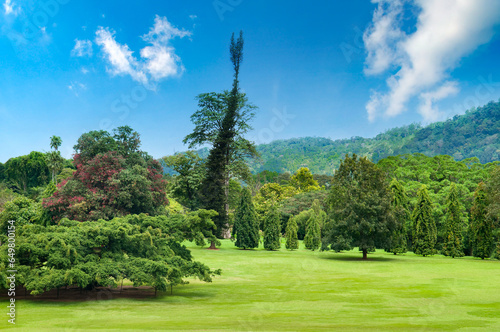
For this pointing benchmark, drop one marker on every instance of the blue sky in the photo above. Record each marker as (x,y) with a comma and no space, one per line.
(320,68)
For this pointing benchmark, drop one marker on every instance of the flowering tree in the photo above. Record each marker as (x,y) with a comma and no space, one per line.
(111,180)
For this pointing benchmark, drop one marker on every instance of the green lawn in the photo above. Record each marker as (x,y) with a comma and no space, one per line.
(299,290)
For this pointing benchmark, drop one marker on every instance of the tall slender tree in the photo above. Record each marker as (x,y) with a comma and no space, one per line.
(246,225)
(424,226)
(399,236)
(214,189)
(453,245)
(292,241)
(312,239)
(272,229)
(481,224)
(53,158)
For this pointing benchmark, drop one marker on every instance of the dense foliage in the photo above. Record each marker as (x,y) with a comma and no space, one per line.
(246,224)
(359,207)
(143,249)
(113,178)
(473,134)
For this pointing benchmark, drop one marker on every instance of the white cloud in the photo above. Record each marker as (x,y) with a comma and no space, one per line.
(157,60)
(428,111)
(82,48)
(119,56)
(446,31)
(193,17)
(9,8)
(381,37)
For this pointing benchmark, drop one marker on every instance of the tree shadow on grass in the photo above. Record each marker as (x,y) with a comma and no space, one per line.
(354,258)
(74,294)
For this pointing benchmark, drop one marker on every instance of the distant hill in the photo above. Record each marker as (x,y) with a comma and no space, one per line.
(473,134)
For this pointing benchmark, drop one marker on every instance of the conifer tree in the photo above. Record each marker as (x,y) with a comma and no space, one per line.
(424,226)
(453,245)
(312,239)
(246,225)
(272,229)
(292,241)
(481,224)
(399,202)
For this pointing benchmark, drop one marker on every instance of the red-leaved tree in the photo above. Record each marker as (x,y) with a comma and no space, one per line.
(108,185)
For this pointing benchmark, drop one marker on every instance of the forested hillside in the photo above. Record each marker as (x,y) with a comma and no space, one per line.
(473,134)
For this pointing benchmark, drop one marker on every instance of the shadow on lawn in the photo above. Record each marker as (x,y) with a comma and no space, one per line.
(351,257)
(74,294)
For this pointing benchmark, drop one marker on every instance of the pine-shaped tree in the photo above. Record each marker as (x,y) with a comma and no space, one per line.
(481,224)
(398,244)
(424,226)
(292,241)
(453,245)
(246,225)
(316,207)
(272,229)
(312,239)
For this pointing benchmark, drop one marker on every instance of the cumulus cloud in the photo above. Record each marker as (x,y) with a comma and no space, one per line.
(157,60)
(445,32)
(82,48)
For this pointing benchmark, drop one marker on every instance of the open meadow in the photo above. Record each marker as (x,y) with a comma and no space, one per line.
(296,290)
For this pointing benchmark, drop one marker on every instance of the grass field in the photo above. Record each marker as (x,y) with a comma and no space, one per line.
(300,290)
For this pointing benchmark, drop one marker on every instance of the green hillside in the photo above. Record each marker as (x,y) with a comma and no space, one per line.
(473,134)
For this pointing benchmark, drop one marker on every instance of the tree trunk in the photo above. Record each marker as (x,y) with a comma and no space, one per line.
(212,245)
(227,233)
(365,254)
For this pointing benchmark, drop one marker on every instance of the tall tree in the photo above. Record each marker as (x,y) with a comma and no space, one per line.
(272,229)
(453,245)
(54,158)
(399,239)
(359,206)
(424,226)
(246,225)
(215,187)
(292,242)
(312,239)
(55,142)
(481,224)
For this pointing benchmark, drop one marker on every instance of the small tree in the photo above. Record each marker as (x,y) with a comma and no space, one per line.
(272,229)
(481,225)
(292,242)
(312,240)
(424,226)
(246,226)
